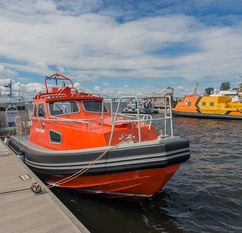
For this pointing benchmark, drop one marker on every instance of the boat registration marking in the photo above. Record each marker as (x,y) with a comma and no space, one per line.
(39,130)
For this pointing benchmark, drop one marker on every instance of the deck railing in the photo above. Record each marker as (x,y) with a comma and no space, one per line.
(165,120)
(139,118)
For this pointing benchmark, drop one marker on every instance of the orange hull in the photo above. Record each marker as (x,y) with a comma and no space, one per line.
(133,185)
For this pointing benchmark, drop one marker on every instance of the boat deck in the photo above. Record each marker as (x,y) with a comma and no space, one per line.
(23,210)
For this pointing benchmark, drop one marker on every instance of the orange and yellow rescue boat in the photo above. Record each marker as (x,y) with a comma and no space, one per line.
(219,107)
(77,141)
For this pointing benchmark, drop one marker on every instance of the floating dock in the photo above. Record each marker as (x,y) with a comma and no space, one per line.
(22,209)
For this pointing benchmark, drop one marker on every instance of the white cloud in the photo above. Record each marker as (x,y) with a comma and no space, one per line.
(83,39)
(25,90)
(6,72)
(97,88)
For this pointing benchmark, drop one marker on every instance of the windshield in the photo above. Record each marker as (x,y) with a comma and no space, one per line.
(63,107)
(93,106)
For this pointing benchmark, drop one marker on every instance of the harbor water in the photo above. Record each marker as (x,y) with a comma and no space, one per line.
(205,195)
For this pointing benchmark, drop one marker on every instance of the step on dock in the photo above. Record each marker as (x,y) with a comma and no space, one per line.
(23,210)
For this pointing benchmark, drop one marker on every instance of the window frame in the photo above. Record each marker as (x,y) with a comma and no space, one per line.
(41,106)
(55,142)
(211,104)
(93,111)
(58,104)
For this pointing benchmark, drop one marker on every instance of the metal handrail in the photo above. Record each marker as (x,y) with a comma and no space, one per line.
(137,117)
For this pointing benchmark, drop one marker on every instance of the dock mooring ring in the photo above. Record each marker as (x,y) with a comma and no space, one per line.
(36,188)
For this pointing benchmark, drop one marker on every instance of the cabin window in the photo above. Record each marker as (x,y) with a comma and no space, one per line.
(55,137)
(63,107)
(188,103)
(211,103)
(41,110)
(35,110)
(203,103)
(93,106)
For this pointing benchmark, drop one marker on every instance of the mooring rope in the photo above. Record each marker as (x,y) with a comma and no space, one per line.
(35,187)
(86,168)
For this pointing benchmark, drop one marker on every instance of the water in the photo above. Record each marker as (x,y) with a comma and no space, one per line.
(205,195)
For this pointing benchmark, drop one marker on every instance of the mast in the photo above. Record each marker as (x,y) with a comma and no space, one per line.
(10,87)
(195,90)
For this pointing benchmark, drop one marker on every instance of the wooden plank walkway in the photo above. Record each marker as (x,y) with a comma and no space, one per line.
(22,210)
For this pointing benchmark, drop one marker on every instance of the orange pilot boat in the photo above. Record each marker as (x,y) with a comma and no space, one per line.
(213,106)
(78,141)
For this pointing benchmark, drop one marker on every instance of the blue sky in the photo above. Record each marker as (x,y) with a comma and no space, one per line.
(127,47)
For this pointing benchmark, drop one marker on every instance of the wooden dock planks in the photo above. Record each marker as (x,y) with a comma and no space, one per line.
(22,210)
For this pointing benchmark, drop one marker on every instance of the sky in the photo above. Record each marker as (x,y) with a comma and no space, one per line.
(121,47)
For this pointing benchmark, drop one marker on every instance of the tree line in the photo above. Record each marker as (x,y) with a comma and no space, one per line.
(223,87)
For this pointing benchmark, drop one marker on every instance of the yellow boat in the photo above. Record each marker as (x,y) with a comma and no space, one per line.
(208,107)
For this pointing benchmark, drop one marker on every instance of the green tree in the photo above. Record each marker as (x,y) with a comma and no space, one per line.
(209,90)
(225,86)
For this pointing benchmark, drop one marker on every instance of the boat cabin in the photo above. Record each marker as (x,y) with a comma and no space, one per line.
(64,118)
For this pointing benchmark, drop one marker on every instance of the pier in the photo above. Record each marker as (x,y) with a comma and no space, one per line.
(27,205)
